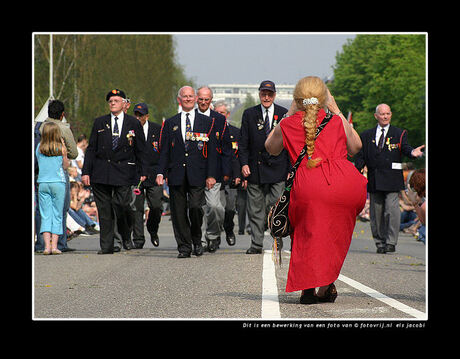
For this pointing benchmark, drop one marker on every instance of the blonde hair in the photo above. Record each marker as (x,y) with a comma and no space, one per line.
(307,87)
(50,142)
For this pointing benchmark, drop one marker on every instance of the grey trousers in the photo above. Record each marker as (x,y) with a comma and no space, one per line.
(260,199)
(213,212)
(385,217)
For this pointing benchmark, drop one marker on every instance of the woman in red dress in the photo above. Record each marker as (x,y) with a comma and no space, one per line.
(328,191)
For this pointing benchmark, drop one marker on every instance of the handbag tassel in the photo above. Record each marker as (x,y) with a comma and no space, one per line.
(276,254)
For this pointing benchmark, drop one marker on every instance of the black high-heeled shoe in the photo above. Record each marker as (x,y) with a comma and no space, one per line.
(330,295)
(308,296)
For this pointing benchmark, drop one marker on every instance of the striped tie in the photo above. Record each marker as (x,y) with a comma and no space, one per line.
(115,135)
(188,128)
(267,123)
(381,139)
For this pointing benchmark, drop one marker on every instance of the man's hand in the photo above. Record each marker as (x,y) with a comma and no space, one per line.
(210,182)
(417,152)
(245,171)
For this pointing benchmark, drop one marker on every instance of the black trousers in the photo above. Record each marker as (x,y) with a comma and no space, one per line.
(153,195)
(186,204)
(109,200)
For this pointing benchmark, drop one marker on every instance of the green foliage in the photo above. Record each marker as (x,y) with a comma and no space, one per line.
(86,67)
(235,116)
(391,69)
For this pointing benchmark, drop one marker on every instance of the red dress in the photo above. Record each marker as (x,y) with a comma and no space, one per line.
(324,203)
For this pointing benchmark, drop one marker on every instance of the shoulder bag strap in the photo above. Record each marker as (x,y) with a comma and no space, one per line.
(290,179)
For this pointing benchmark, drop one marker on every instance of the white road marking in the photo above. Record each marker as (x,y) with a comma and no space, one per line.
(270,301)
(383,298)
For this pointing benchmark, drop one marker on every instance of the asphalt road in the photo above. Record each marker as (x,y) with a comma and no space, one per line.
(152,283)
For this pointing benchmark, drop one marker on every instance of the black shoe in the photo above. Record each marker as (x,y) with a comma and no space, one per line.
(253,250)
(155,240)
(308,296)
(198,250)
(128,245)
(116,249)
(183,255)
(381,250)
(389,248)
(230,237)
(67,249)
(104,252)
(330,295)
(212,245)
(240,232)
(90,230)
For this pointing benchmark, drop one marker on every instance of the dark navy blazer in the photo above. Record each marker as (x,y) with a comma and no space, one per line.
(264,167)
(117,167)
(199,162)
(223,143)
(384,172)
(152,153)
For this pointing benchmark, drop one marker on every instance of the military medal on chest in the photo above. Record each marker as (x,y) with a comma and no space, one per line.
(391,146)
(130,136)
(260,124)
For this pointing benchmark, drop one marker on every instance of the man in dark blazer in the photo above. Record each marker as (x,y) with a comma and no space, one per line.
(148,189)
(188,158)
(382,151)
(214,210)
(229,192)
(115,150)
(266,174)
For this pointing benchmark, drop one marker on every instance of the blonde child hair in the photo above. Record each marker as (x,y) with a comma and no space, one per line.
(50,142)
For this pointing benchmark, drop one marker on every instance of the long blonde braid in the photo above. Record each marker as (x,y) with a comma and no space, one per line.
(308,87)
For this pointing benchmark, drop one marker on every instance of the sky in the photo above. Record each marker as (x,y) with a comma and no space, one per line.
(283,58)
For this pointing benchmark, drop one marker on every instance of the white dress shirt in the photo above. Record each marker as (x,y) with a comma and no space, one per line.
(145,127)
(120,117)
(379,132)
(271,112)
(206,113)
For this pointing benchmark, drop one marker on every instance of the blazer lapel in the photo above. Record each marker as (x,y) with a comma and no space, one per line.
(178,131)
(259,120)
(197,122)
(124,130)
(108,131)
(391,133)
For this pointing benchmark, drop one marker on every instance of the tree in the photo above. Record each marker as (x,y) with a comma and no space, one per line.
(86,67)
(374,69)
(235,116)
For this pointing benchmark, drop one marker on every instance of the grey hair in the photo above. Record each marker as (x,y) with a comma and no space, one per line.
(377,108)
(180,90)
(220,103)
(205,87)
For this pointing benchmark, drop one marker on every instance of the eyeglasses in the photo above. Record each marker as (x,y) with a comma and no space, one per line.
(201,99)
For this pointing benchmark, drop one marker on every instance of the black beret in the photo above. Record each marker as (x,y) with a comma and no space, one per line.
(115,92)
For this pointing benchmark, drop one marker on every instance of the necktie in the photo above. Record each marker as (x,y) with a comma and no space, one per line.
(188,128)
(115,135)
(382,137)
(267,123)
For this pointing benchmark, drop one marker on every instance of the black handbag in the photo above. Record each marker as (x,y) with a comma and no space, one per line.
(278,217)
